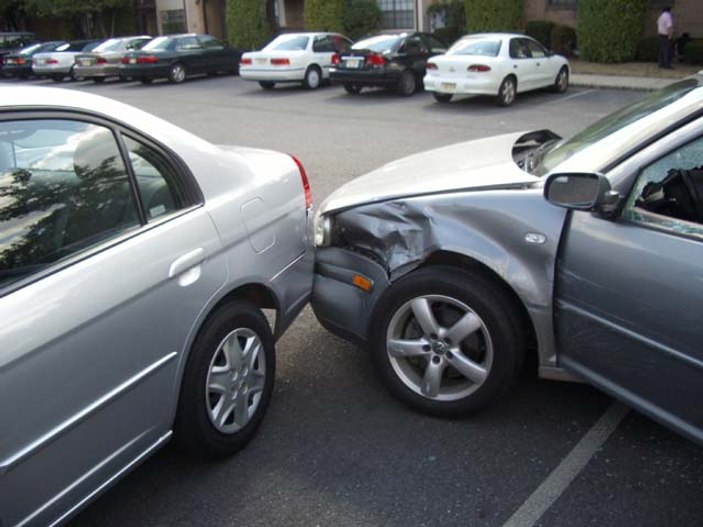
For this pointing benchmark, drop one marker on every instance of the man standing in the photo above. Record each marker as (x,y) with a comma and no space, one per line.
(665,28)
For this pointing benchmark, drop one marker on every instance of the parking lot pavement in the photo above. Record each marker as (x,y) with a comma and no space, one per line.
(335,448)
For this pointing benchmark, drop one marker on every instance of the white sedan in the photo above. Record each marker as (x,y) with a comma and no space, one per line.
(60,63)
(500,64)
(294,57)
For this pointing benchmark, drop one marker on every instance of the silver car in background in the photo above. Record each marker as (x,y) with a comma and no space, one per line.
(450,265)
(103,62)
(60,63)
(135,262)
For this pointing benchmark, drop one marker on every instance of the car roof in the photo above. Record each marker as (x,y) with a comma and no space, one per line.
(496,35)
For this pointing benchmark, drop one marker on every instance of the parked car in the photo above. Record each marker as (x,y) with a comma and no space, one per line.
(390,60)
(19,64)
(104,61)
(498,64)
(60,62)
(12,41)
(304,58)
(135,262)
(176,57)
(450,266)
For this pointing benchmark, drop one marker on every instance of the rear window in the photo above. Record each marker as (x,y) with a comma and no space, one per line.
(289,43)
(30,49)
(159,43)
(112,44)
(378,44)
(480,47)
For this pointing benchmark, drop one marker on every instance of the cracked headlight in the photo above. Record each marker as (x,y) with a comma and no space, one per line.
(323,230)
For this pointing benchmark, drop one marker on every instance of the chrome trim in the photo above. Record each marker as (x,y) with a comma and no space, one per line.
(279,273)
(52,435)
(141,457)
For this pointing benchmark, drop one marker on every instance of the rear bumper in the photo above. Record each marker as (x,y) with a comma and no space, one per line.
(286,75)
(91,72)
(144,71)
(12,70)
(58,69)
(341,307)
(466,85)
(384,78)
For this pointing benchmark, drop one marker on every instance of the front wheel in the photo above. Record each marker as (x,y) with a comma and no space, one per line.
(228,382)
(506,92)
(352,89)
(407,85)
(442,97)
(446,342)
(561,83)
(177,73)
(267,85)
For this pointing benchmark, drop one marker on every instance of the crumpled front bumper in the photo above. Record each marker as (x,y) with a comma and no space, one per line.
(341,307)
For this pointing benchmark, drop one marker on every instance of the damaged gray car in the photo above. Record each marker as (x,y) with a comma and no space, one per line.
(451,266)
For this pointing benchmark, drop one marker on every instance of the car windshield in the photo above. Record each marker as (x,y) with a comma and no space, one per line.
(481,47)
(378,44)
(112,44)
(563,150)
(289,43)
(159,43)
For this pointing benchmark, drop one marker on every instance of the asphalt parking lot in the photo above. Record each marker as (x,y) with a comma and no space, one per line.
(336,448)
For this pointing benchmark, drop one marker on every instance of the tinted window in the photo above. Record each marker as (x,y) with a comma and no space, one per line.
(159,43)
(412,45)
(289,43)
(209,42)
(341,44)
(435,44)
(113,44)
(518,49)
(479,47)
(188,43)
(63,188)
(536,49)
(378,44)
(156,179)
(137,43)
(322,45)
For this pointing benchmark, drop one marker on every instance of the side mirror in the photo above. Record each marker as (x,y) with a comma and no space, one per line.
(582,191)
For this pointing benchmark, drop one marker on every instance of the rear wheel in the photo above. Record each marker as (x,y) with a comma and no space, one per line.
(506,92)
(227,383)
(442,97)
(177,73)
(561,83)
(73,75)
(352,89)
(313,78)
(267,85)
(407,85)
(446,342)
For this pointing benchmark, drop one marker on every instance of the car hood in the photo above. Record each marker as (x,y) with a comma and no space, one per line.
(472,165)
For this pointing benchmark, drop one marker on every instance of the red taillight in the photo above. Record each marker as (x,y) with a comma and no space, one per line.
(20,61)
(478,67)
(431,66)
(245,62)
(375,59)
(335,59)
(101,60)
(306,183)
(52,61)
(124,60)
(280,62)
(147,59)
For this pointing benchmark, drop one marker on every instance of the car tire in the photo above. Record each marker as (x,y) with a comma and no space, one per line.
(227,383)
(57,78)
(561,82)
(72,74)
(507,91)
(98,80)
(407,85)
(442,97)
(312,78)
(146,80)
(465,354)
(176,73)
(352,89)
(267,85)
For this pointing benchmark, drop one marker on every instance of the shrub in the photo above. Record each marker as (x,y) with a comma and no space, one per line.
(324,15)
(609,30)
(540,30)
(563,40)
(693,53)
(648,49)
(449,35)
(452,14)
(247,27)
(361,17)
(493,15)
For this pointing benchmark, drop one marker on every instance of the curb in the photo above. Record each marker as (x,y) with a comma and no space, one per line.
(620,82)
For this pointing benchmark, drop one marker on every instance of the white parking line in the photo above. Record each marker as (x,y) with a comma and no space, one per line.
(574,95)
(561,477)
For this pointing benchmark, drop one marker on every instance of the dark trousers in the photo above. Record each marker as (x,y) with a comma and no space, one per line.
(664,52)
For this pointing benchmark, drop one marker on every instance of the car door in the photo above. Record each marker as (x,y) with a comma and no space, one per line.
(545,74)
(191,53)
(106,261)
(629,291)
(522,64)
(413,53)
(216,57)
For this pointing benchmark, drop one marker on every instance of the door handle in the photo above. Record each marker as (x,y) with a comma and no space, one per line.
(186,262)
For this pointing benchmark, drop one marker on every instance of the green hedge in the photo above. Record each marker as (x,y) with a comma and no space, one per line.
(609,30)
(693,52)
(324,15)
(361,17)
(648,49)
(563,39)
(493,15)
(247,27)
(452,13)
(541,30)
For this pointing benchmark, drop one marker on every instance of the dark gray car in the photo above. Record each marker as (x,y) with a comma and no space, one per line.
(451,266)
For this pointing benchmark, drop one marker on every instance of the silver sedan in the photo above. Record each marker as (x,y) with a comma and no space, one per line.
(135,264)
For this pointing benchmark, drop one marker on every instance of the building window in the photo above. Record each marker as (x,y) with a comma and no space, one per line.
(398,14)
(173,21)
